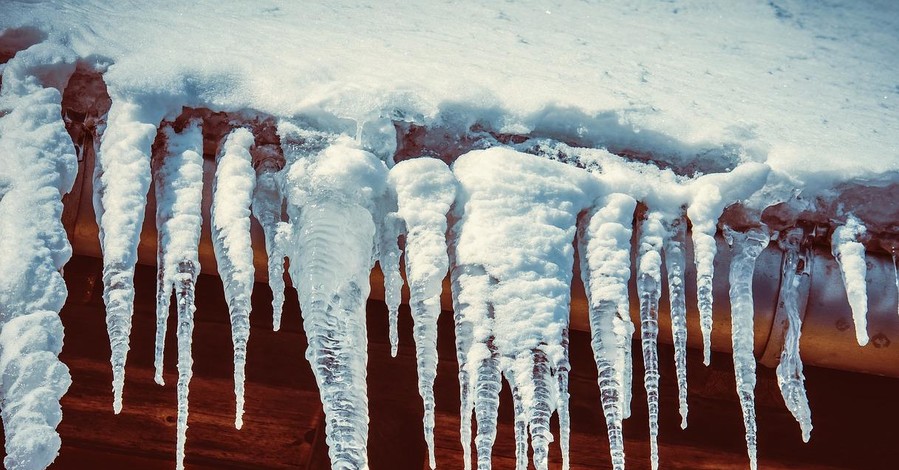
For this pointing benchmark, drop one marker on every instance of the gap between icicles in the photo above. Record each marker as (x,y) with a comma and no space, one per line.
(501,220)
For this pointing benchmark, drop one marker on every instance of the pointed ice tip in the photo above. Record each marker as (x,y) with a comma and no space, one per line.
(117,405)
(683,422)
(393,350)
(861,337)
(159,380)
(238,423)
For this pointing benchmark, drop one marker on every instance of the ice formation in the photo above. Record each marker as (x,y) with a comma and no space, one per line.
(789,371)
(267,209)
(426,189)
(332,189)
(747,246)
(675,263)
(232,197)
(513,213)
(850,253)
(33,250)
(604,244)
(512,299)
(121,182)
(649,290)
(178,176)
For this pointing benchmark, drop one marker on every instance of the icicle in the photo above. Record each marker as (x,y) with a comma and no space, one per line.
(521,428)
(266,207)
(121,182)
(789,371)
(564,398)
(233,188)
(747,247)
(649,282)
(712,193)
(850,254)
(604,240)
(512,264)
(426,189)
(675,261)
(332,189)
(389,260)
(37,166)
(179,192)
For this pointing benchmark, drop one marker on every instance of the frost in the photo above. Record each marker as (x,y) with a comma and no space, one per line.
(789,371)
(37,166)
(332,189)
(426,189)
(850,254)
(179,191)
(604,238)
(232,196)
(512,299)
(746,246)
(675,263)
(121,182)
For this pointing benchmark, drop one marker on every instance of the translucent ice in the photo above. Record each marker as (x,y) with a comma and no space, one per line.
(649,284)
(232,196)
(850,254)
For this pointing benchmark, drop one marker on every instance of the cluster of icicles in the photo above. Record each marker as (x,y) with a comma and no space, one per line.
(500,221)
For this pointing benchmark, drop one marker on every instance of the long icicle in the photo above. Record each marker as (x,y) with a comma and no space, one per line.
(121,183)
(790,379)
(179,193)
(649,282)
(604,240)
(267,208)
(850,254)
(232,196)
(747,246)
(426,189)
(675,262)
(389,255)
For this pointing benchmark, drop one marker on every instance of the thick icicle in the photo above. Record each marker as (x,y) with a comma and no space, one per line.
(37,166)
(266,207)
(675,262)
(649,283)
(233,188)
(179,192)
(604,240)
(512,264)
(121,182)
(426,189)
(747,247)
(331,197)
(712,193)
(850,254)
(789,371)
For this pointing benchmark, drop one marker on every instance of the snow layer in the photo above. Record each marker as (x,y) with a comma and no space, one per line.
(783,82)
(37,166)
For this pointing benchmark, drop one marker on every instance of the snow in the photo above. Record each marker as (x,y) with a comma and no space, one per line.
(235,182)
(688,108)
